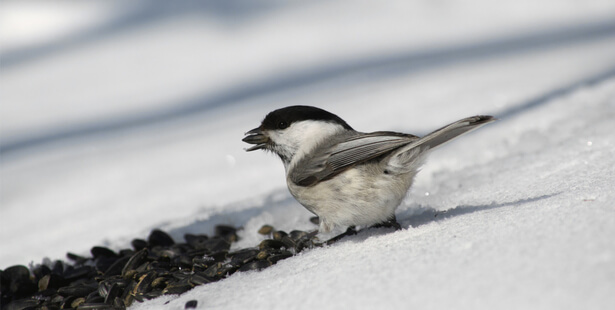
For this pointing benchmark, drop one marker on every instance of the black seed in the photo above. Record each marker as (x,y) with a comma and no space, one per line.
(197,252)
(93,294)
(212,271)
(243,256)
(196,241)
(57,299)
(94,306)
(128,300)
(128,296)
(255,265)
(262,255)
(121,282)
(163,254)
(113,292)
(99,251)
(104,287)
(289,242)
(138,298)
(180,276)
(199,279)
(159,282)
(155,265)
(58,267)
(139,244)
(216,244)
(94,298)
(76,258)
(130,274)
(116,267)
(297,234)
(190,304)
(16,272)
(51,281)
(135,261)
(202,263)
(77,302)
(145,283)
(72,274)
(43,294)
(279,235)
(111,279)
(22,304)
(184,261)
(218,256)
(103,263)
(228,233)
(126,252)
(19,282)
(178,288)
(66,303)
(153,294)
(40,271)
(119,303)
(159,237)
(76,290)
(271,244)
(278,257)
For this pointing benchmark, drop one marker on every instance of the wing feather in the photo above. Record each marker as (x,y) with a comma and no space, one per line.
(329,161)
(333,158)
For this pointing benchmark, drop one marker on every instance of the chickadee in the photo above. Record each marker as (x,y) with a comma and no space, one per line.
(348,178)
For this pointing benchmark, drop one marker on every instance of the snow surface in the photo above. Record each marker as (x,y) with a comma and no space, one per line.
(132,124)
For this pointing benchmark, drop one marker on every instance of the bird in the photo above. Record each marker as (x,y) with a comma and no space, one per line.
(345,177)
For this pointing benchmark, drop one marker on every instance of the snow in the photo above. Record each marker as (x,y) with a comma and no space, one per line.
(141,128)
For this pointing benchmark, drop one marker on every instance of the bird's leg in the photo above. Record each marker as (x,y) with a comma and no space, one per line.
(349,232)
(390,223)
(311,234)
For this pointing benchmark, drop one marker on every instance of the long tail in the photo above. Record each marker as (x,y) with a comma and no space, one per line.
(453,130)
(410,157)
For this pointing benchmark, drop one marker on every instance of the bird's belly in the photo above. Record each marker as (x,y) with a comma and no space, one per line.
(360,196)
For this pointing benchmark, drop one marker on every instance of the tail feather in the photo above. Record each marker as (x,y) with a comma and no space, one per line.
(410,157)
(454,130)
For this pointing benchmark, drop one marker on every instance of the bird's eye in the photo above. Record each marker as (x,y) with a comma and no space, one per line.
(282,125)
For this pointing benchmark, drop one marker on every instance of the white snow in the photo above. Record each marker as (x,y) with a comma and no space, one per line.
(519,214)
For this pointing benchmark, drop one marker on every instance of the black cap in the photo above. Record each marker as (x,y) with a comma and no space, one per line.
(282,118)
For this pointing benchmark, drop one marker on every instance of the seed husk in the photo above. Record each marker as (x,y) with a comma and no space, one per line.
(265,230)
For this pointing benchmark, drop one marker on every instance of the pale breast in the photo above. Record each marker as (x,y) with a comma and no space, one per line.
(362,196)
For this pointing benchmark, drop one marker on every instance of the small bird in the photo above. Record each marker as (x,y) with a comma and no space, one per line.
(345,177)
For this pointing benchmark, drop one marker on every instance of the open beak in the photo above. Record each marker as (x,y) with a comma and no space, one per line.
(256,136)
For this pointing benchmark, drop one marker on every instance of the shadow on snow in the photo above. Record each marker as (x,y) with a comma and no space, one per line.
(409,218)
(384,66)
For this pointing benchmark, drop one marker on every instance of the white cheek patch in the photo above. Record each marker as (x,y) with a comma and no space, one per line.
(310,134)
(284,147)
(302,137)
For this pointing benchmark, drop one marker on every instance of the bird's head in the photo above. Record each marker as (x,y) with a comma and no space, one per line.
(292,130)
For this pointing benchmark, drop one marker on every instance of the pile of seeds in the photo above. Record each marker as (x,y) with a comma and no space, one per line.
(153,267)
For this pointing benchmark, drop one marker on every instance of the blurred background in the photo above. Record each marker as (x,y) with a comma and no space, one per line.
(117,116)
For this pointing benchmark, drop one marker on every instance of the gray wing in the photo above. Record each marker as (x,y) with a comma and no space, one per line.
(329,161)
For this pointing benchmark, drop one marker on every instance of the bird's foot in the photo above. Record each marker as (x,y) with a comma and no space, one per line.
(391,223)
(349,232)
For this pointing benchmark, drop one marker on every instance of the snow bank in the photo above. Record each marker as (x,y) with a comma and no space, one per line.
(526,223)
(515,215)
